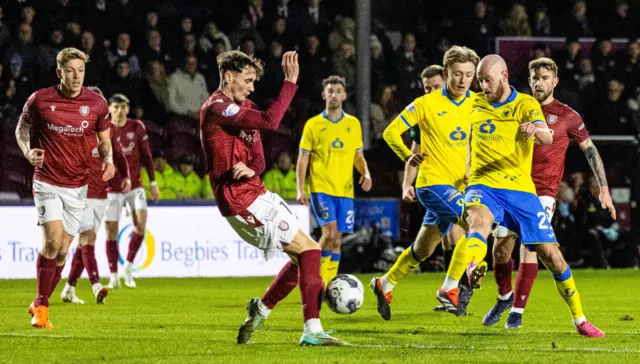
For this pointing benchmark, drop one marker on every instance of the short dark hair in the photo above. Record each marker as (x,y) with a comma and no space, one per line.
(334,80)
(236,61)
(118,98)
(432,71)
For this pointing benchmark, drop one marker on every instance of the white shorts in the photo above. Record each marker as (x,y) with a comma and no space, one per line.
(60,203)
(549,205)
(93,213)
(268,225)
(135,199)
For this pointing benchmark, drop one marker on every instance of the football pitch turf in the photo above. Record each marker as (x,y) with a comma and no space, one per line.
(196,320)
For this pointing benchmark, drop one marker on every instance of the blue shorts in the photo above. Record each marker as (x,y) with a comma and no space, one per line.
(520,212)
(444,204)
(328,208)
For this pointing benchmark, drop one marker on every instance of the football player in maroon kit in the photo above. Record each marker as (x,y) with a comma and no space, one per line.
(135,145)
(65,120)
(230,128)
(547,170)
(94,210)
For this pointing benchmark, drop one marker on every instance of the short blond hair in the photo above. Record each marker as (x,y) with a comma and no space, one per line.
(544,62)
(457,54)
(68,54)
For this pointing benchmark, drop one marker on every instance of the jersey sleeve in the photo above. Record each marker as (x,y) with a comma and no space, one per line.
(30,111)
(576,128)
(531,112)
(103,121)
(145,149)
(393,133)
(306,142)
(359,143)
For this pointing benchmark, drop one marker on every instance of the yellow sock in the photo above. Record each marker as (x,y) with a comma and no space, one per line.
(332,266)
(405,264)
(325,259)
(567,289)
(468,249)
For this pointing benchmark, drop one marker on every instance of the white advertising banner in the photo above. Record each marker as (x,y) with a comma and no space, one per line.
(185,241)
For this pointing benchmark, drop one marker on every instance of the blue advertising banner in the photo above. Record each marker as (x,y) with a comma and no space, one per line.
(382,211)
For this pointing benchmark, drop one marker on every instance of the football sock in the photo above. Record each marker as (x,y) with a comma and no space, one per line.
(567,289)
(77,266)
(113,255)
(310,283)
(46,270)
(56,277)
(476,248)
(90,263)
(325,259)
(332,267)
(502,272)
(405,264)
(527,273)
(312,326)
(134,246)
(282,285)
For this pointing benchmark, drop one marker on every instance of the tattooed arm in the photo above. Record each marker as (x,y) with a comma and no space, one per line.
(34,156)
(593,157)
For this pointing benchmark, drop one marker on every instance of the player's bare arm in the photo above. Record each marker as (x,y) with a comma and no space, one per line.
(410,174)
(361,165)
(538,130)
(106,154)
(595,161)
(34,156)
(301,173)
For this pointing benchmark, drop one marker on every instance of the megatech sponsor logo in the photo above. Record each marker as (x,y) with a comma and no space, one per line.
(69,130)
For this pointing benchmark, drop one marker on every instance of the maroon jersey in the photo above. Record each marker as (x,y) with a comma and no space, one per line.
(66,130)
(135,146)
(548,160)
(230,134)
(97,187)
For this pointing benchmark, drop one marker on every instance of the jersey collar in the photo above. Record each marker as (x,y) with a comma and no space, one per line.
(511,97)
(457,103)
(342,115)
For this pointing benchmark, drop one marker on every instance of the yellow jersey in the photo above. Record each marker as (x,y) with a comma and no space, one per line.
(500,155)
(333,145)
(444,137)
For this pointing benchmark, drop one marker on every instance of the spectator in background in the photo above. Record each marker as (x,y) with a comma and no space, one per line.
(628,66)
(612,116)
(273,76)
(28,16)
(23,83)
(72,34)
(596,224)
(310,17)
(540,50)
(379,67)
(244,29)
(94,17)
(281,179)
(517,22)
(603,58)
(94,69)
(408,63)
(155,92)
(586,81)
(344,31)
(248,45)
(122,50)
(383,111)
(568,61)
(123,17)
(564,219)
(123,82)
(164,177)
(316,68)
(210,36)
(541,22)
(578,24)
(477,30)
(622,25)
(5,33)
(281,10)
(187,90)
(344,64)
(282,34)
(27,51)
(188,184)
(257,15)
(153,50)
(8,108)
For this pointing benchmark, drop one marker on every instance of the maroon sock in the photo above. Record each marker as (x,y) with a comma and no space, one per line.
(77,266)
(527,273)
(46,270)
(134,246)
(281,286)
(502,273)
(310,283)
(113,255)
(56,278)
(89,259)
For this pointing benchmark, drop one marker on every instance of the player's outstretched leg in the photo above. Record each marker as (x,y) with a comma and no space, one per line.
(553,259)
(426,241)
(68,294)
(527,273)
(503,244)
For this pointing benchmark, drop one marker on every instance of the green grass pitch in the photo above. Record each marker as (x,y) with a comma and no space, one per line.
(195,320)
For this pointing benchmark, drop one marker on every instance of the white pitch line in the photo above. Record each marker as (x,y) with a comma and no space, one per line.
(495,348)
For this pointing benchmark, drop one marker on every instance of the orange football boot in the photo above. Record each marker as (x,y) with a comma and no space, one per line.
(41,318)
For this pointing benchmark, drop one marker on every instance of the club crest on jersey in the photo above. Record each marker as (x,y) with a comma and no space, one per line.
(552,119)
(231,110)
(84,110)
(131,135)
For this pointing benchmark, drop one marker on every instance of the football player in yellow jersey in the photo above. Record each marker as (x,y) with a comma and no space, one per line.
(443,117)
(332,143)
(504,126)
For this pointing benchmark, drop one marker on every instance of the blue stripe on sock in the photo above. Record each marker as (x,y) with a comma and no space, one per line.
(477,236)
(564,276)
(326,253)
(413,254)
(335,257)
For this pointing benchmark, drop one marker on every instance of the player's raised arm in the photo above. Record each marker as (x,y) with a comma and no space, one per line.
(238,73)
(393,135)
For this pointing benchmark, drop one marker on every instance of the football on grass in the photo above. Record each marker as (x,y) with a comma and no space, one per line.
(344,294)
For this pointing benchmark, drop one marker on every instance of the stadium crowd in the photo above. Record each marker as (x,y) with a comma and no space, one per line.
(162,55)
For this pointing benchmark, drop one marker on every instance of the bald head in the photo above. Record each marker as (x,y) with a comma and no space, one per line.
(494,78)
